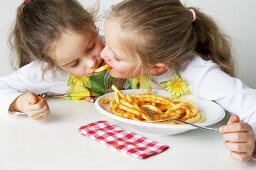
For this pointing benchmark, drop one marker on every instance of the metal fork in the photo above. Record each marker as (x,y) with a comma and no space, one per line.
(152,114)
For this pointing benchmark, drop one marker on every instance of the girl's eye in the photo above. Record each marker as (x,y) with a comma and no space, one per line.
(75,64)
(117,59)
(90,48)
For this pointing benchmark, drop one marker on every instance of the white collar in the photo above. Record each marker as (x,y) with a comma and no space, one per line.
(163,77)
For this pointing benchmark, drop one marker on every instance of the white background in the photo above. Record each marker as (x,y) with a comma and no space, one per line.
(236,17)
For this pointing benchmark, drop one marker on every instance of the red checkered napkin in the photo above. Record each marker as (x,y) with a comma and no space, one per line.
(121,140)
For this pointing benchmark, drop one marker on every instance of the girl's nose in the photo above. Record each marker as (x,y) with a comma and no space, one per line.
(105,53)
(89,62)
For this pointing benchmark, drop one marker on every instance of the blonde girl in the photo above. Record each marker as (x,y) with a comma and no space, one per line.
(57,48)
(181,50)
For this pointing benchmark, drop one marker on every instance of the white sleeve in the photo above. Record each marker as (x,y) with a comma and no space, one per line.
(207,81)
(27,79)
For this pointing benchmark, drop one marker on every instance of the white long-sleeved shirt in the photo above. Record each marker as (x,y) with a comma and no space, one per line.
(207,81)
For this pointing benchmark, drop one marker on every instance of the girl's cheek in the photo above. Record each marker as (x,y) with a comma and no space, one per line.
(100,44)
(97,51)
(79,71)
(119,68)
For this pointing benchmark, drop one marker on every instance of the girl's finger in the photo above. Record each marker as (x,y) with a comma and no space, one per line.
(39,116)
(40,103)
(89,99)
(44,113)
(36,116)
(43,116)
(241,156)
(236,137)
(237,147)
(235,127)
(233,119)
(31,98)
(45,108)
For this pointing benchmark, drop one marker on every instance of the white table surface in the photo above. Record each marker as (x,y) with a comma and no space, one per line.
(55,144)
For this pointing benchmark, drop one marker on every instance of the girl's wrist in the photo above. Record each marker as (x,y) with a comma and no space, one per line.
(14,106)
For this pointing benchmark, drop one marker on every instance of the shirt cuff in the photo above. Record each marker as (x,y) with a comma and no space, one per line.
(7,101)
(17,113)
(254,156)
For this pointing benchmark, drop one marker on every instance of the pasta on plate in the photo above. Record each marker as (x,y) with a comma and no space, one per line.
(131,106)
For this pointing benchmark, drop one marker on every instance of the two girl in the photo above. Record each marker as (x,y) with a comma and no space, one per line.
(159,44)
(163,44)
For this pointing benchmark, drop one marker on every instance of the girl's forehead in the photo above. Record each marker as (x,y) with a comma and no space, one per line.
(112,30)
(116,38)
(125,42)
(70,45)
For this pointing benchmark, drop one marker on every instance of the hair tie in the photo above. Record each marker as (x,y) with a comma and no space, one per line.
(193,14)
(26,1)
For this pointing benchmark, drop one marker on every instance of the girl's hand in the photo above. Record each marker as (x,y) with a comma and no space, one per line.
(239,139)
(34,106)
(90,99)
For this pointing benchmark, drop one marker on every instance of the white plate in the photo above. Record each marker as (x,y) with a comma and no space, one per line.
(212,111)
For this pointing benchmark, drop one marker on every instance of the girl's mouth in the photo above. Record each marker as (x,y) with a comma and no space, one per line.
(101,67)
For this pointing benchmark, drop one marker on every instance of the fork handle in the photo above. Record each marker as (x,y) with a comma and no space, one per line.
(201,127)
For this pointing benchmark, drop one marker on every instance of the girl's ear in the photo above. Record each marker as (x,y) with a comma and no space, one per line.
(158,69)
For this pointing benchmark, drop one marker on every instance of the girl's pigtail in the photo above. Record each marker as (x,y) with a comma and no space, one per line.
(212,44)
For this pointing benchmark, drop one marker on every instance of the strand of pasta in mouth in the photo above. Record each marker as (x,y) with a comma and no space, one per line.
(102,68)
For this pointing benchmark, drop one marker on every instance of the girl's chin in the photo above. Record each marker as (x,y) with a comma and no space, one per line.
(116,74)
(93,74)
(119,75)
